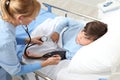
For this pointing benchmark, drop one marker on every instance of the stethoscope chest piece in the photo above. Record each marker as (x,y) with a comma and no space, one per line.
(44,38)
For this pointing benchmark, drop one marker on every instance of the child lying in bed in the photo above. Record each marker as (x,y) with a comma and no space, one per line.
(76,34)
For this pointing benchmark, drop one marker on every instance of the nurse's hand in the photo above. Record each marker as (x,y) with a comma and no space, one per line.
(34,40)
(55,59)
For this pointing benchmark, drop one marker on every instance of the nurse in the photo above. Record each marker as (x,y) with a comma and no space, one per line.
(14,13)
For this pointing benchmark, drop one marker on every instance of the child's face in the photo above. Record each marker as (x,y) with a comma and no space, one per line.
(82,39)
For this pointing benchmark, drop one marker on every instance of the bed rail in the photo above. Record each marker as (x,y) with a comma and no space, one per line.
(67,11)
(39,74)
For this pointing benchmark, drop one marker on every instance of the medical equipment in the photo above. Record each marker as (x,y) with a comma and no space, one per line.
(109,5)
(44,38)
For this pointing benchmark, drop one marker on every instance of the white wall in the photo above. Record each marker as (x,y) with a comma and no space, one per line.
(87,7)
(92,3)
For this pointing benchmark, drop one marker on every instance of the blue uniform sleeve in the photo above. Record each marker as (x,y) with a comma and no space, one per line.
(20,40)
(10,62)
(29,68)
(8,58)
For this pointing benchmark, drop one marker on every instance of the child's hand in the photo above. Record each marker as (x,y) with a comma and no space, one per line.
(55,59)
(55,37)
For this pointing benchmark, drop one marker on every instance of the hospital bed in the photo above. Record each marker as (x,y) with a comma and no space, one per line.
(60,72)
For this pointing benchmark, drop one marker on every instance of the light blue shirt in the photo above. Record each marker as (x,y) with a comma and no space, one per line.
(69,35)
(8,57)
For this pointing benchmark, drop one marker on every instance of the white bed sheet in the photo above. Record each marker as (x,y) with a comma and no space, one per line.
(63,74)
(60,72)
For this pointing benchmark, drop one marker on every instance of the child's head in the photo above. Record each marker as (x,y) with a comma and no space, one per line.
(92,31)
(15,11)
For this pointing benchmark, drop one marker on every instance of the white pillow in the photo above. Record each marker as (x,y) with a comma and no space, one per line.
(101,55)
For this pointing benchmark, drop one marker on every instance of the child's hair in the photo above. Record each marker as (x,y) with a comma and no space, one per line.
(24,7)
(95,29)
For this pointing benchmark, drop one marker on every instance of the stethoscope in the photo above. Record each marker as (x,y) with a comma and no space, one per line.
(43,39)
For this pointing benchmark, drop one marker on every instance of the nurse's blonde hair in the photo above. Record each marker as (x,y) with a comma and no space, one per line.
(24,7)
